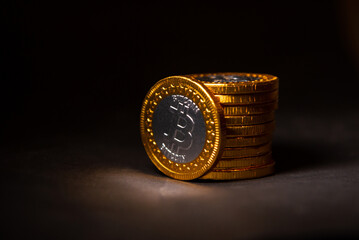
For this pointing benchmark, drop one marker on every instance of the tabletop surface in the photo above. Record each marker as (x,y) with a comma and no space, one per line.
(95,187)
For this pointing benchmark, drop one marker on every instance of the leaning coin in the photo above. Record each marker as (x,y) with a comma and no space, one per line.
(243,162)
(244,173)
(182,127)
(238,83)
(247,151)
(251,130)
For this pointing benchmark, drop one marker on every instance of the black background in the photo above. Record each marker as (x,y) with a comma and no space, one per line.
(77,66)
(74,73)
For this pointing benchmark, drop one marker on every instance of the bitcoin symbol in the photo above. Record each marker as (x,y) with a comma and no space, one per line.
(181,127)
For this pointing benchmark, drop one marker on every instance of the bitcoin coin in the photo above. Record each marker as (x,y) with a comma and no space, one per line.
(247,151)
(237,142)
(251,130)
(215,126)
(249,109)
(247,98)
(182,127)
(249,119)
(243,173)
(243,162)
(238,83)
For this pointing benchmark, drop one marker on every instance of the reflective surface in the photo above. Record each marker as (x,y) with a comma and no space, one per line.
(92,187)
(179,128)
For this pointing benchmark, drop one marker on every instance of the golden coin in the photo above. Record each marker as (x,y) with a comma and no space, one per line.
(244,173)
(238,83)
(237,142)
(250,109)
(182,127)
(248,98)
(251,130)
(249,119)
(247,151)
(243,162)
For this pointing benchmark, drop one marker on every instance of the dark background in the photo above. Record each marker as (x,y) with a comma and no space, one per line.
(73,77)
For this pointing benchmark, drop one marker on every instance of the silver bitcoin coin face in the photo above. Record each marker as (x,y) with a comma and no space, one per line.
(179,128)
(227,78)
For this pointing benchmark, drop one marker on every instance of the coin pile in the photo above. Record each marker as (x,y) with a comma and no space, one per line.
(248,102)
(211,126)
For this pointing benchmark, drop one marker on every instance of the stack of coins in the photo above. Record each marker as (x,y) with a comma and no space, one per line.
(248,102)
(211,126)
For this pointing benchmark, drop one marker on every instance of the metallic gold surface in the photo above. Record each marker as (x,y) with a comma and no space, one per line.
(213,116)
(251,130)
(238,122)
(244,173)
(236,142)
(266,83)
(250,109)
(249,119)
(243,162)
(247,151)
(244,99)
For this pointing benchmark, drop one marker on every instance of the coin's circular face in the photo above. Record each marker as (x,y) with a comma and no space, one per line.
(182,127)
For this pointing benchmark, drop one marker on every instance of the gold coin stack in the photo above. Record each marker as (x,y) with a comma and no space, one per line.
(248,102)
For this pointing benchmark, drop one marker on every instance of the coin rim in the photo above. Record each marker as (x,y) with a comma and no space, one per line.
(251,130)
(255,109)
(254,119)
(243,173)
(247,141)
(243,152)
(246,162)
(248,98)
(213,114)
